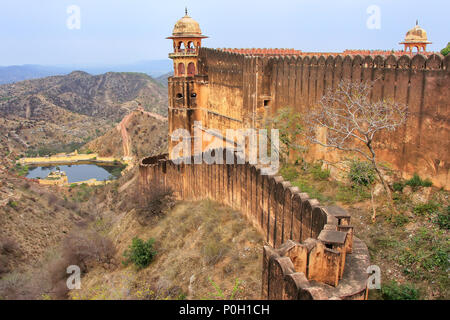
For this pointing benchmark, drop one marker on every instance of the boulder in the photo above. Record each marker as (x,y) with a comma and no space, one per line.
(378,189)
(407,190)
(421,196)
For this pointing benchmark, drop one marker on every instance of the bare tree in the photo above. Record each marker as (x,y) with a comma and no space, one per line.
(352,121)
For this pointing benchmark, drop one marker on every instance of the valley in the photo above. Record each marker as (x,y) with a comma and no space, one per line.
(62,113)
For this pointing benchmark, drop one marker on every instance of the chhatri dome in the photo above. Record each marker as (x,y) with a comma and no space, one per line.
(187,27)
(187,40)
(416,38)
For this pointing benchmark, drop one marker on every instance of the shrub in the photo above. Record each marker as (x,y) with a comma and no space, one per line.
(140,252)
(13,204)
(86,248)
(362,173)
(399,220)
(318,173)
(154,203)
(8,246)
(394,291)
(219,293)
(443,219)
(398,186)
(416,182)
(52,199)
(289,173)
(83,249)
(427,208)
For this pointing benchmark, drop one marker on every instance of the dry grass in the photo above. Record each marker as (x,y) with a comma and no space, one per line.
(195,241)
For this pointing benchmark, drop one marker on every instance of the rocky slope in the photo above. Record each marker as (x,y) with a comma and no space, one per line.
(33,218)
(110,95)
(139,134)
(73,109)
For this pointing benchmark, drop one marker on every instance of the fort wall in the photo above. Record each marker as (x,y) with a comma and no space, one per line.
(306,241)
(243,89)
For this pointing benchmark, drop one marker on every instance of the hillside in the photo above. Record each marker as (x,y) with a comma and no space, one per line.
(211,242)
(164,78)
(139,134)
(65,112)
(43,231)
(110,95)
(34,220)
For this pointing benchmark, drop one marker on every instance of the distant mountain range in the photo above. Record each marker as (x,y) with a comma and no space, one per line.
(11,74)
(164,78)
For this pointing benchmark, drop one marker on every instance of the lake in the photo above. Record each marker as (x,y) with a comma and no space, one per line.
(75,173)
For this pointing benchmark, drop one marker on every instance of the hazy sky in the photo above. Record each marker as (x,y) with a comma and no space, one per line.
(127,31)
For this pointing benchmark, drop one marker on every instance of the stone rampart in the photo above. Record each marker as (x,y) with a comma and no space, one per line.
(247,88)
(316,255)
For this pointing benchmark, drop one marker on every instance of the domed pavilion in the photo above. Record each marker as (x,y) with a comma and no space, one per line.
(416,38)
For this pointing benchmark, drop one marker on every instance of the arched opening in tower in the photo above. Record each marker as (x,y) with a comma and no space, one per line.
(191,47)
(181,69)
(191,69)
(180,46)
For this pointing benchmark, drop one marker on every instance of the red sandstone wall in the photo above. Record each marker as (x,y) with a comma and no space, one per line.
(423,83)
(271,204)
(281,213)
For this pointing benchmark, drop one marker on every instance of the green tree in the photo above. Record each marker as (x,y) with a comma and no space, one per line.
(288,122)
(446,50)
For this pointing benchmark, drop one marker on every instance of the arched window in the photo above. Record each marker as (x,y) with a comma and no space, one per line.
(181,69)
(180,46)
(190,47)
(191,69)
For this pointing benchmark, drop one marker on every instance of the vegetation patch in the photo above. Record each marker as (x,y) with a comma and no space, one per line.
(443,219)
(13,204)
(362,174)
(426,256)
(140,253)
(410,245)
(427,208)
(21,170)
(53,149)
(82,193)
(395,291)
(318,173)
(415,182)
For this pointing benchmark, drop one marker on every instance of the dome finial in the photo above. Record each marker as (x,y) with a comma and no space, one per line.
(185,10)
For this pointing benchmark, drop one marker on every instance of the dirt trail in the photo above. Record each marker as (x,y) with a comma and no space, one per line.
(123,125)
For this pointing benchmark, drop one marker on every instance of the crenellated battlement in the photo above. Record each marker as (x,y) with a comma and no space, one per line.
(246,85)
(272,52)
(311,251)
(400,59)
